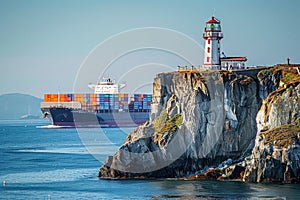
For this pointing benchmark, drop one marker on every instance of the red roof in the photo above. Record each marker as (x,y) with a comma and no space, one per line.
(234,59)
(212,20)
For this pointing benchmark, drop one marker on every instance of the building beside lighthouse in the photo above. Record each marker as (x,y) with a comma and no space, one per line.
(233,63)
(212,56)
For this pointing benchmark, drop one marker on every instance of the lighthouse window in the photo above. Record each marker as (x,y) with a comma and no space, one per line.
(208,59)
(208,26)
(208,41)
(208,50)
(217,27)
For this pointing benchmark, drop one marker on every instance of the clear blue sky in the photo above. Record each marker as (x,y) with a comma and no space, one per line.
(43,43)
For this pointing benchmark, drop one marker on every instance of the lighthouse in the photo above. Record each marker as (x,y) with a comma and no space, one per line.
(212,36)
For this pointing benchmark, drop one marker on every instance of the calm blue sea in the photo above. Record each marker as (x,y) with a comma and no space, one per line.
(37,163)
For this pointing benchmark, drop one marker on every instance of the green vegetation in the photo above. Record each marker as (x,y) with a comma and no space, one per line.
(265,72)
(160,121)
(172,123)
(283,136)
(163,124)
(288,74)
(290,77)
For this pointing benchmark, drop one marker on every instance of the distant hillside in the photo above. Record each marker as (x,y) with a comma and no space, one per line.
(13,106)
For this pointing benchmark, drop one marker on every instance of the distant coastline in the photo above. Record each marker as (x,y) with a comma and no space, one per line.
(17,106)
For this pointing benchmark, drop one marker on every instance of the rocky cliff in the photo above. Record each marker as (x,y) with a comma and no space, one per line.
(276,155)
(200,120)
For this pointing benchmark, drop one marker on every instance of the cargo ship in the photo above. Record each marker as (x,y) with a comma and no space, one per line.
(106,107)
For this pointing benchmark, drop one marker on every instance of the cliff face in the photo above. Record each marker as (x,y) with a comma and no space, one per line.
(276,155)
(198,120)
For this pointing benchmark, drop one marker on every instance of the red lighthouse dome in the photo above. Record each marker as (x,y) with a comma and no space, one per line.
(212,20)
(213,25)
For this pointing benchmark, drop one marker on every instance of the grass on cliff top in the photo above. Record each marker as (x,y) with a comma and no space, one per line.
(264,72)
(283,136)
(289,74)
(290,77)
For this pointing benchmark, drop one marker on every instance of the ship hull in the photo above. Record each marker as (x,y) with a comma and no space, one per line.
(80,118)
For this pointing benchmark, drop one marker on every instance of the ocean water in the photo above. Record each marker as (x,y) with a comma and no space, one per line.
(38,163)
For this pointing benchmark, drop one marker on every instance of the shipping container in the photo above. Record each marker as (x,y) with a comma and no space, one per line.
(92,101)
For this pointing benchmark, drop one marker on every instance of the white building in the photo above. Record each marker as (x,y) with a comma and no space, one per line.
(212,36)
(212,58)
(233,63)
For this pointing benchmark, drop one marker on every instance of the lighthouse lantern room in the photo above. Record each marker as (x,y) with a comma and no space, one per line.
(212,36)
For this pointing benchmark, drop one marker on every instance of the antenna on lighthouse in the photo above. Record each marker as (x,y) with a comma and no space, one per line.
(214,11)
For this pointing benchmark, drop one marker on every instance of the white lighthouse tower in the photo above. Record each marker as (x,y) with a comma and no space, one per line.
(212,36)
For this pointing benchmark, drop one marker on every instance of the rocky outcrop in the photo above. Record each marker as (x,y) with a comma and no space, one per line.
(198,121)
(276,155)
(269,81)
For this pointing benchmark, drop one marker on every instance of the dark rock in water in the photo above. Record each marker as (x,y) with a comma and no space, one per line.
(234,172)
(198,121)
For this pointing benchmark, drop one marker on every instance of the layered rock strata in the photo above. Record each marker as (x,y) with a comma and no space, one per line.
(200,120)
